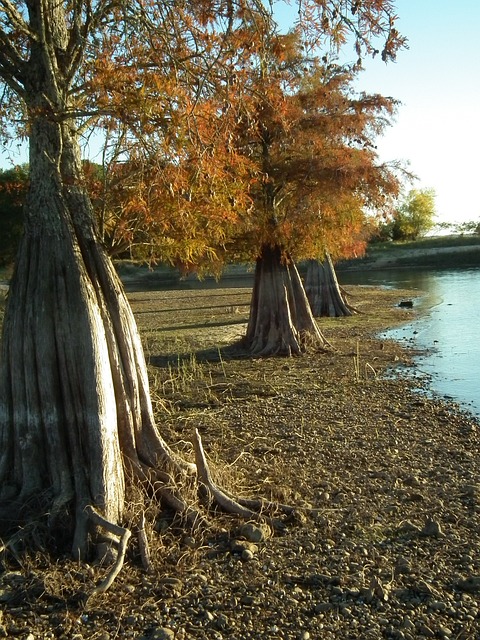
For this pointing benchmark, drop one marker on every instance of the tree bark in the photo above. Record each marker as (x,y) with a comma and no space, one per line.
(323,291)
(280,321)
(76,421)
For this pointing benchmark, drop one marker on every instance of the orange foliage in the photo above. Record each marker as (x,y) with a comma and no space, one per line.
(310,141)
(229,135)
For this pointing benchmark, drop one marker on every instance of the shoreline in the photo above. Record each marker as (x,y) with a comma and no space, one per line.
(378,258)
(414,255)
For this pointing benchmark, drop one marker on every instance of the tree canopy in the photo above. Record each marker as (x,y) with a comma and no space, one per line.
(310,142)
(166,82)
(286,155)
(414,216)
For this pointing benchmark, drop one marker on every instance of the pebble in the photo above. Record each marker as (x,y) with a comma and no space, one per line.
(162,633)
(247,555)
(432,529)
(407,624)
(471,584)
(254,532)
(402,566)
(424,630)
(221,621)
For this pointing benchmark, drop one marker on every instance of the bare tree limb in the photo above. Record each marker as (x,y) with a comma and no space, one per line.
(16,19)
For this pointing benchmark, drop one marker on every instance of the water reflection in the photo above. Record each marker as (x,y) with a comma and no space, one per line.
(447,329)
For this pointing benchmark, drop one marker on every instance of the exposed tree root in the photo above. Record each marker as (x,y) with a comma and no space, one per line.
(210,489)
(191,515)
(121,532)
(245,508)
(143,544)
(249,509)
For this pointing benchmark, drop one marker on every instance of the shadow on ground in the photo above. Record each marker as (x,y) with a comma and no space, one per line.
(235,351)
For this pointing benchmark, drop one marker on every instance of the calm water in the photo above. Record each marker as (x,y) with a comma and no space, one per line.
(448,328)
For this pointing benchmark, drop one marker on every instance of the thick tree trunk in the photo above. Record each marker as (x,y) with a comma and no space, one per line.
(323,291)
(76,421)
(280,321)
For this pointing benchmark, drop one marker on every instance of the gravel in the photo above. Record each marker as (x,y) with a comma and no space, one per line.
(385,541)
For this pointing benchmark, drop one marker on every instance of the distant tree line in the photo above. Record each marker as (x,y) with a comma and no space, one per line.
(411,219)
(472,227)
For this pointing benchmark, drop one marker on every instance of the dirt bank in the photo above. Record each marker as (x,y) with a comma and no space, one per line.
(420,254)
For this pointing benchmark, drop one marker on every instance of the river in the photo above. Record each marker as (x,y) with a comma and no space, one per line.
(447,328)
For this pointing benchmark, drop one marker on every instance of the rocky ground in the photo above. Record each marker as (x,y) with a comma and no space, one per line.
(385,541)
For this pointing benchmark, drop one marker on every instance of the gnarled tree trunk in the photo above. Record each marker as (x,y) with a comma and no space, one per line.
(76,421)
(323,291)
(280,321)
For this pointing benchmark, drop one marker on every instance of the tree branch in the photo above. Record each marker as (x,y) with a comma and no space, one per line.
(16,19)
(12,65)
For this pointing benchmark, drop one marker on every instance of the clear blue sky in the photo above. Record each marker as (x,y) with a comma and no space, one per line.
(437,79)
